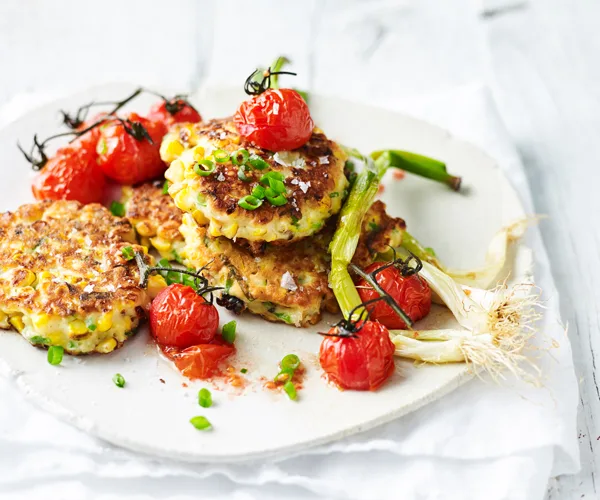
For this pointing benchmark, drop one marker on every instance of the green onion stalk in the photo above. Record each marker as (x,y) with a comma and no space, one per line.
(364,189)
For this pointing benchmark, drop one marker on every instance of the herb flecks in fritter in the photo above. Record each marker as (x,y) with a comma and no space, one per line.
(65,279)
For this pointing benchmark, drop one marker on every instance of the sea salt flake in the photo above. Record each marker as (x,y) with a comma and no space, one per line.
(111,288)
(323,160)
(89,288)
(220,177)
(287,282)
(304,186)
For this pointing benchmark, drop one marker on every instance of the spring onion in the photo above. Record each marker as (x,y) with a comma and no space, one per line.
(204,398)
(204,168)
(242,174)
(495,259)
(290,390)
(228,332)
(220,156)
(39,340)
(119,380)
(250,202)
(55,354)
(420,165)
(291,361)
(128,253)
(117,209)
(277,201)
(257,162)
(240,157)
(200,423)
(244,370)
(165,188)
(258,192)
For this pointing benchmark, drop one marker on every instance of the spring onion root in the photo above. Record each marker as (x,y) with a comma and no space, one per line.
(497,327)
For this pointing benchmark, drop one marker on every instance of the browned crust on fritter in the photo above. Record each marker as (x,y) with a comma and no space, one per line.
(226,193)
(85,239)
(308,255)
(148,203)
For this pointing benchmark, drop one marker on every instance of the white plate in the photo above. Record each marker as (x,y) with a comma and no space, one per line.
(152,417)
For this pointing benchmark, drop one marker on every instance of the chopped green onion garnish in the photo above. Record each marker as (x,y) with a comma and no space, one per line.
(176,256)
(242,174)
(335,194)
(204,398)
(244,370)
(39,340)
(204,168)
(258,192)
(119,380)
(257,162)
(295,220)
(55,354)
(221,156)
(91,326)
(165,188)
(200,423)
(240,157)
(228,332)
(250,202)
(290,390)
(128,253)
(117,209)
(228,285)
(290,361)
(272,175)
(284,375)
(277,200)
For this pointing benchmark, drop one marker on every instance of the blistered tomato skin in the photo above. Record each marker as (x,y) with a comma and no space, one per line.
(71,174)
(361,363)
(277,120)
(128,160)
(179,317)
(199,361)
(186,113)
(411,293)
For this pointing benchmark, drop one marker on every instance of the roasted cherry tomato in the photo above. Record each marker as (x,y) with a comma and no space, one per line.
(411,293)
(361,363)
(174,111)
(71,174)
(130,159)
(277,120)
(199,361)
(179,317)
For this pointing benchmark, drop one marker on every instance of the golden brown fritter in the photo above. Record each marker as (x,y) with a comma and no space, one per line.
(65,279)
(155,218)
(313,177)
(284,283)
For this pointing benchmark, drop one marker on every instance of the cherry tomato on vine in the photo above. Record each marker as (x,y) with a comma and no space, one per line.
(361,363)
(130,158)
(71,174)
(174,111)
(277,120)
(411,293)
(179,317)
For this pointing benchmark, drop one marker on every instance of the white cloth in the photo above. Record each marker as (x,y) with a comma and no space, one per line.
(482,441)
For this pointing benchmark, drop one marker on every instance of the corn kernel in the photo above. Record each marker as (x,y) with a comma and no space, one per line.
(175,172)
(17,322)
(55,338)
(199,217)
(104,322)
(198,153)
(39,320)
(214,230)
(259,232)
(170,149)
(155,284)
(106,346)
(27,279)
(160,244)
(77,328)
(235,139)
(44,276)
(3,320)
(145,228)
(231,230)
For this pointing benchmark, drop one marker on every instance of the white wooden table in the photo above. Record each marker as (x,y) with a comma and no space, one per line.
(540,57)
